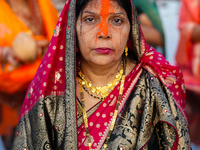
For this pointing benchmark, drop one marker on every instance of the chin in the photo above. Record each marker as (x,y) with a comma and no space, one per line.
(103,62)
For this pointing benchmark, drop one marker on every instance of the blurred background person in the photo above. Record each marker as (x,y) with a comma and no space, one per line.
(26,27)
(188,58)
(151,24)
(59,4)
(188,53)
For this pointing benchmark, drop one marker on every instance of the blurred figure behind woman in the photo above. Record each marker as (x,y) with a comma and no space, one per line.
(188,58)
(151,24)
(25,29)
(59,4)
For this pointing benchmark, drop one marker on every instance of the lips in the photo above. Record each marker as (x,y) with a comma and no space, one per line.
(103,50)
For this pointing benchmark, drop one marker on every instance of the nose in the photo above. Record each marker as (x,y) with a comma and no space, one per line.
(103,30)
(102,35)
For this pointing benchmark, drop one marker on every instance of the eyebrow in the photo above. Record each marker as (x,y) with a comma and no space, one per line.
(89,12)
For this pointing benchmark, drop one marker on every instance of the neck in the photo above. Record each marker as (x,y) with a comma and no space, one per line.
(100,75)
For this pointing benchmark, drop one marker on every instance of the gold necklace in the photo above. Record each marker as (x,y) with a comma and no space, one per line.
(97,97)
(103,91)
(113,118)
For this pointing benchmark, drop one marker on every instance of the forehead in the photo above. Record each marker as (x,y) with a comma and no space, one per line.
(106,5)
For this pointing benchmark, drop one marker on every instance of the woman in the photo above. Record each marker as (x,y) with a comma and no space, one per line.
(188,58)
(19,19)
(90,93)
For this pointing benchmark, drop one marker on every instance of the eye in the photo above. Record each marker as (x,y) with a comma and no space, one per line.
(117,21)
(90,19)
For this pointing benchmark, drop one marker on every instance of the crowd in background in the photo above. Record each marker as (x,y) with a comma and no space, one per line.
(17,71)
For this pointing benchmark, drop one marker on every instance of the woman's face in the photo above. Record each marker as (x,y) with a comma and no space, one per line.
(102,30)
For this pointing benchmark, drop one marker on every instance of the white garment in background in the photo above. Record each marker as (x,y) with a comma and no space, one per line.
(1,144)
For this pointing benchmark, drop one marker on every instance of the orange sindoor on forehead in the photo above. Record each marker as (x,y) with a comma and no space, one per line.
(105,8)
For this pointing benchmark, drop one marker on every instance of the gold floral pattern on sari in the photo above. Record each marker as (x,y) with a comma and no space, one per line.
(44,126)
(150,119)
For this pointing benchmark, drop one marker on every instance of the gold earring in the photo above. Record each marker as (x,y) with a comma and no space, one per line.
(126,51)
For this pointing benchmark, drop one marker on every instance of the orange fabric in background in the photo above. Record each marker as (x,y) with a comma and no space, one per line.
(19,78)
(9,119)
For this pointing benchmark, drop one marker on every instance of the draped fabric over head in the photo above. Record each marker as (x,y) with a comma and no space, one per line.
(50,104)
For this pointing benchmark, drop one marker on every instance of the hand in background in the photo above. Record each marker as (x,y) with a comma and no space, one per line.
(42,46)
(196,34)
(151,34)
(10,56)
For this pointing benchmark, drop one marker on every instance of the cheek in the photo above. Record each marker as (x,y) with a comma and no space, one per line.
(80,37)
(78,33)
(121,32)
(83,44)
(85,35)
(125,34)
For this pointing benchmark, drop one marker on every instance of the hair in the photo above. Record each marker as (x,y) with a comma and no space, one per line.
(125,4)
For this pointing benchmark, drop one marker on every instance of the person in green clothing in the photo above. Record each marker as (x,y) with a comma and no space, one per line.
(151,24)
